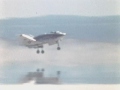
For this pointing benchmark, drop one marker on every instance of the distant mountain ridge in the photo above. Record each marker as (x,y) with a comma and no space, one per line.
(65,18)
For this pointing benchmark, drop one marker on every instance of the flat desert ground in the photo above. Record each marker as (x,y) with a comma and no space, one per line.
(60,87)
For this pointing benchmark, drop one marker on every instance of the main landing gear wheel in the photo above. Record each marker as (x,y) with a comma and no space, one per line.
(38,51)
(42,51)
(58,48)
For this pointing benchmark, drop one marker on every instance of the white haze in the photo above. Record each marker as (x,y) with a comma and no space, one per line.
(32,8)
(73,53)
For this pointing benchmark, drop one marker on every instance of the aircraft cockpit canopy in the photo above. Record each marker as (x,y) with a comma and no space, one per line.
(57,32)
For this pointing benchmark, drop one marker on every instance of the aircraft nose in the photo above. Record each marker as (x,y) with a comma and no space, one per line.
(64,34)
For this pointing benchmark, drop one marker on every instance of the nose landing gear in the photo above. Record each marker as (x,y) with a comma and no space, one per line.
(58,48)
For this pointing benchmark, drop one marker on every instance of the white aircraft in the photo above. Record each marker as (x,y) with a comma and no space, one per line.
(39,41)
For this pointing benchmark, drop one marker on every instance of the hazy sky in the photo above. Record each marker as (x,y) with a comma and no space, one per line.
(30,8)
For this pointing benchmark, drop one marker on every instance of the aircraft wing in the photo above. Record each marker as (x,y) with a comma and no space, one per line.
(27,38)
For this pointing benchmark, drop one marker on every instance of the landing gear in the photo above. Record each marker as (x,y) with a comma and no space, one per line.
(42,51)
(38,51)
(58,48)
